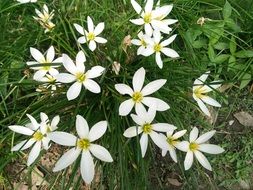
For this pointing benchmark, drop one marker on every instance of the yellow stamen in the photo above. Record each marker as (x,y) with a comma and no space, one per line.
(147,18)
(143,43)
(38,136)
(90,36)
(199,92)
(83,144)
(157,47)
(80,77)
(172,141)
(147,128)
(137,97)
(193,146)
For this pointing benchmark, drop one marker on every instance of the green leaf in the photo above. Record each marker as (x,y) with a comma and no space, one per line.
(221,46)
(232,45)
(211,53)
(232,25)
(192,34)
(244,53)
(199,43)
(221,58)
(227,10)
(245,80)
(232,59)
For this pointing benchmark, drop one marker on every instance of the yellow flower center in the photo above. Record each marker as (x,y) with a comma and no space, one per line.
(172,141)
(137,97)
(193,146)
(83,144)
(143,43)
(38,136)
(90,36)
(157,47)
(80,77)
(199,92)
(147,128)
(147,18)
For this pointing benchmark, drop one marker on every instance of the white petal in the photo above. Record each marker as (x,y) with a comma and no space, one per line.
(82,40)
(67,159)
(80,59)
(150,116)
(183,146)
(97,131)
(148,51)
(179,134)
(69,64)
(90,24)
(132,132)
(139,108)
(99,28)
(148,29)
(43,117)
(79,28)
(163,127)
(95,72)
(55,122)
(168,41)
(158,60)
(160,142)
(50,54)
(140,50)
(138,21)
(202,78)
(144,144)
(34,153)
(136,6)
(165,10)
(126,107)
(153,87)
(136,42)
(63,138)
(92,86)
(45,143)
(39,74)
(124,89)
(92,45)
(138,79)
(194,134)
(188,160)
(157,37)
(100,40)
(82,127)
(87,167)
(23,145)
(211,148)
(35,124)
(21,130)
(101,153)
(37,55)
(173,154)
(138,119)
(210,101)
(202,160)
(205,137)
(65,78)
(203,107)
(74,91)
(149,5)
(160,104)
(170,52)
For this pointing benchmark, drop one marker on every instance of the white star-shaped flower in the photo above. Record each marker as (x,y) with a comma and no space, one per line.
(79,76)
(172,141)
(199,93)
(49,82)
(37,136)
(83,144)
(138,94)
(196,145)
(145,126)
(91,36)
(140,42)
(44,64)
(157,47)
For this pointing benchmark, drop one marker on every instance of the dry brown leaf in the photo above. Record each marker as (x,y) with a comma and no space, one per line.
(244,118)
(174,182)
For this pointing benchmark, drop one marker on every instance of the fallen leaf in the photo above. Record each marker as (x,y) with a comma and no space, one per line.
(244,118)
(174,182)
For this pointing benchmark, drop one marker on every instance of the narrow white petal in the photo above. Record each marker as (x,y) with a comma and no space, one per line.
(79,28)
(55,122)
(164,152)
(169,40)
(158,60)
(100,40)
(39,74)
(160,142)
(202,78)
(173,154)
(210,101)
(90,24)
(101,153)
(138,119)
(80,59)
(99,28)
(45,143)
(97,131)
(136,6)
(205,137)
(211,148)
(35,124)
(138,21)
(163,127)
(148,51)
(63,138)
(170,52)
(34,153)
(202,160)
(74,91)
(136,42)
(144,144)
(140,50)
(188,160)
(50,54)
(69,64)
(132,132)
(124,89)
(183,146)
(95,72)
(179,134)
(92,45)
(160,105)
(150,116)
(138,79)
(203,107)
(82,127)
(139,108)
(194,134)
(157,37)
(153,87)
(87,167)
(43,117)
(23,145)
(82,40)
(165,10)
(126,107)
(21,130)
(92,86)
(67,159)
(148,29)
(65,78)
(37,55)
(149,5)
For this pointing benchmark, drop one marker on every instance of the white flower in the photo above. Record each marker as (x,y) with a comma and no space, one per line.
(45,122)
(83,144)
(145,126)
(199,93)
(27,1)
(116,67)
(138,94)
(45,18)
(46,63)
(196,145)
(157,47)
(50,82)
(91,36)
(79,76)
(141,42)
(153,18)
(37,136)
(172,141)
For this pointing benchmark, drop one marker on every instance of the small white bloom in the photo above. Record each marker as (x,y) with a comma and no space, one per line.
(27,1)
(138,94)
(83,144)
(50,126)
(196,145)
(116,67)
(199,93)
(45,18)
(37,136)
(145,126)
(79,76)
(141,42)
(91,36)
(157,47)
(50,82)
(44,64)
(172,141)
